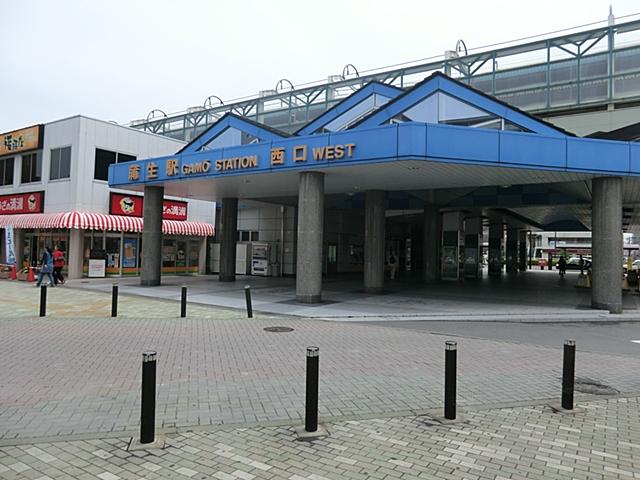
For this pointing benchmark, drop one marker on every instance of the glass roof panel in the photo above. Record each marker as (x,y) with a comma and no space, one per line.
(230,137)
(359,110)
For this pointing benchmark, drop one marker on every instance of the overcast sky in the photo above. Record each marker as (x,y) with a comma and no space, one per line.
(119,59)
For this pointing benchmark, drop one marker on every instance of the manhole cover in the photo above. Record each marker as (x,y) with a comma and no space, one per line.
(278,329)
(587,385)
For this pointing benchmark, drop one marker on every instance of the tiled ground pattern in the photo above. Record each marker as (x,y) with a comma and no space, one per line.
(64,376)
(518,444)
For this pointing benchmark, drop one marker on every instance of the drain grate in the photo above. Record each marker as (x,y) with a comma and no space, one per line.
(278,329)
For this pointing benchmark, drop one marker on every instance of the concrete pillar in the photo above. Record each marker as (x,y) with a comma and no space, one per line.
(75,253)
(512,250)
(18,239)
(152,236)
(452,231)
(496,237)
(522,251)
(606,220)
(374,241)
(310,237)
(432,237)
(228,239)
(472,247)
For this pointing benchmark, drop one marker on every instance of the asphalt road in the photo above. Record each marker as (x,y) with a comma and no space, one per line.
(614,338)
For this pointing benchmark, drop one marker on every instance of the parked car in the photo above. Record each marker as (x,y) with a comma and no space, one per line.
(573,263)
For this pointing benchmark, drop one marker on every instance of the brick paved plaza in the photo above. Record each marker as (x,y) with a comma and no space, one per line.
(229,394)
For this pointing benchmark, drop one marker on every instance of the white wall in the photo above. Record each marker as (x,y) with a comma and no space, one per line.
(93,195)
(269,221)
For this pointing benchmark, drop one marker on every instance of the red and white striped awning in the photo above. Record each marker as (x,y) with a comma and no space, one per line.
(100,221)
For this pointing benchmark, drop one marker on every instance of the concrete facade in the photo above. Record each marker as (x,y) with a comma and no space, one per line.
(310,237)
(607,244)
(228,229)
(152,236)
(374,241)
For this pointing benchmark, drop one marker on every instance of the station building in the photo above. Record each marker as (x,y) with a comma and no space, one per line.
(411,173)
(54,191)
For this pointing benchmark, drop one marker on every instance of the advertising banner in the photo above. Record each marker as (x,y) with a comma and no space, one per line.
(133,206)
(31,202)
(10,245)
(130,253)
(22,140)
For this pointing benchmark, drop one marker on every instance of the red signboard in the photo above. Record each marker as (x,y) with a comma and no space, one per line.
(132,206)
(31,202)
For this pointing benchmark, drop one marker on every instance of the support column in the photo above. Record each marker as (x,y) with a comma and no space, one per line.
(152,236)
(310,237)
(496,237)
(228,234)
(75,253)
(18,240)
(374,241)
(512,250)
(452,229)
(472,246)
(432,236)
(522,251)
(606,220)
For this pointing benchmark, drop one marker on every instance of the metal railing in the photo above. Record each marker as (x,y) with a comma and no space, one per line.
(573,71)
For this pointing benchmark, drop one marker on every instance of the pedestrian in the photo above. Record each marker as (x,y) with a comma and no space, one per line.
(393,266)
(46,268)
(562,265)
(58,265)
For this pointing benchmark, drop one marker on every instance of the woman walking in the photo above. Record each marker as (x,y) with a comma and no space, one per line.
(58,265)
(46,268)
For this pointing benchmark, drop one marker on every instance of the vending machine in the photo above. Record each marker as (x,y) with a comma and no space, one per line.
(264,259)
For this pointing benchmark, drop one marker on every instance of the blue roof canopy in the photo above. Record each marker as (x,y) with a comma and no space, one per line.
(232,131)
(357,105)
(439,99)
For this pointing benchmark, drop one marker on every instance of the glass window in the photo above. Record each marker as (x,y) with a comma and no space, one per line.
(60,163)
(255,236)
(104,158)
(230,137)
(455,112)
(424,111)
(245,237)
(123,157)
(445,109)
(6,171)
(355,113)
(31,167)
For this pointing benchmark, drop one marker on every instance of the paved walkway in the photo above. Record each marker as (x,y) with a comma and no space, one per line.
(534,296)
(515,443)
(229,393)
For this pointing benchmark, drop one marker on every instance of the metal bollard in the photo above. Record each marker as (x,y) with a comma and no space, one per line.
(568,373)
(43,300)
(183,302)
(311,402)
(114,300)
(247,296)
(148,410)
(450,367)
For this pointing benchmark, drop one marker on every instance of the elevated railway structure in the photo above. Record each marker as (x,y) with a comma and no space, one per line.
(585,80)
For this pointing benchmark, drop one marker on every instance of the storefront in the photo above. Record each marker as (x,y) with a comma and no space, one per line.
(54,192)
(116,239)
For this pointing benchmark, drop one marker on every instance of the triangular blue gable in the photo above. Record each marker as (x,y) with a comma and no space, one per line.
(438,82)
(230,120)
(352,101)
